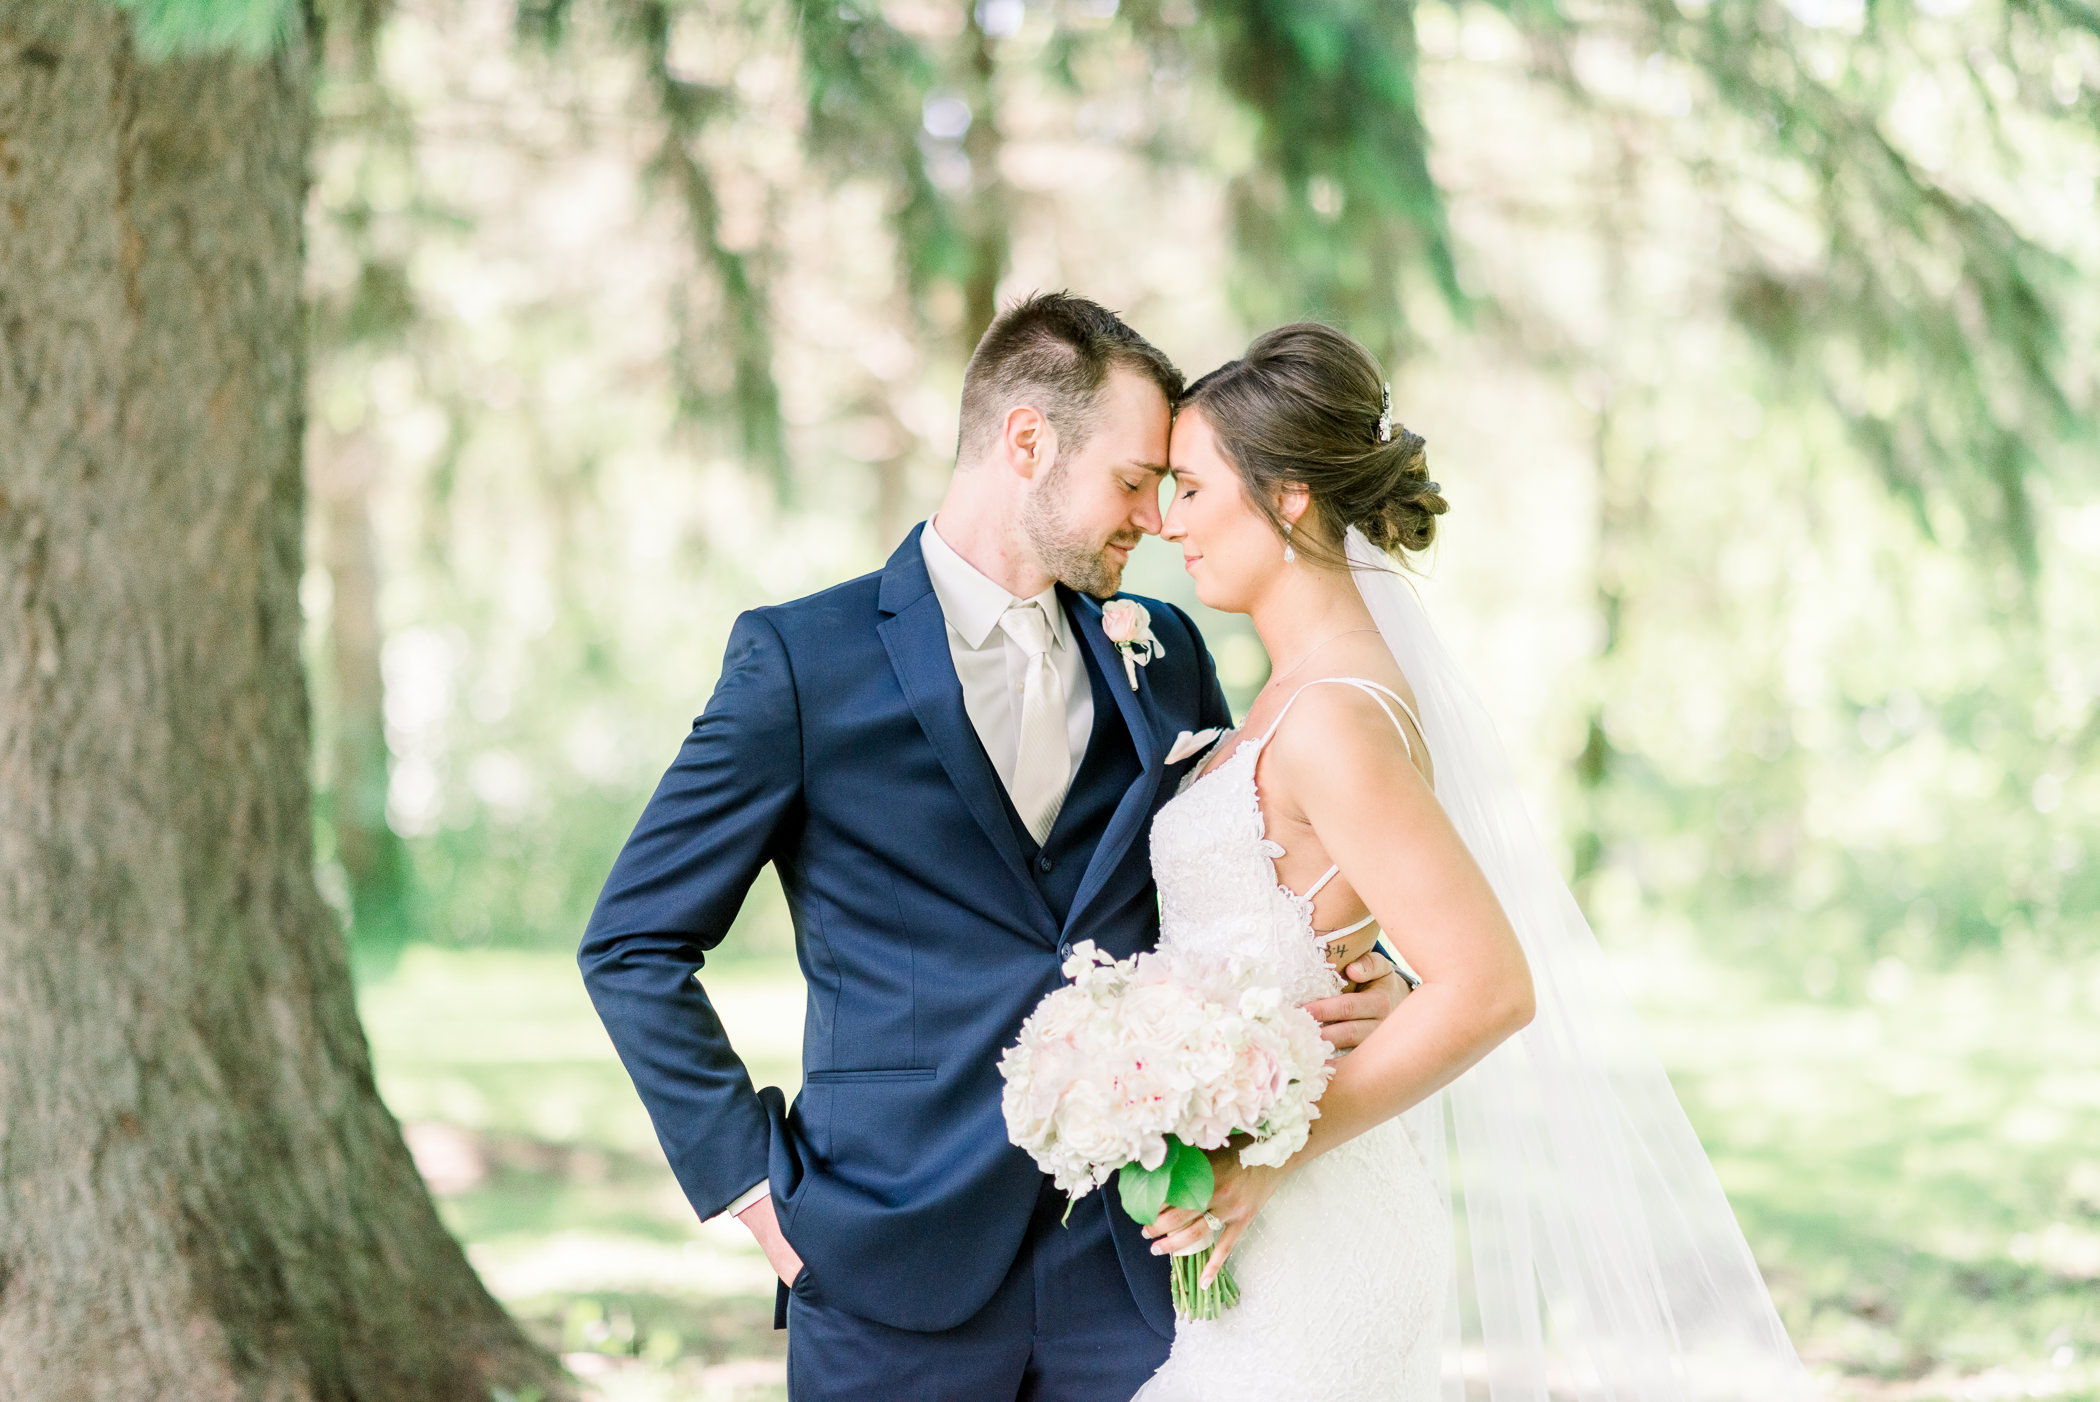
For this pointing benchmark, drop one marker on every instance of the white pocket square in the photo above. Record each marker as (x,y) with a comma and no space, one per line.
(1186,744)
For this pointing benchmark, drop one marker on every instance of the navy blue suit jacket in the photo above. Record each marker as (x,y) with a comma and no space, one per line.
(836,747)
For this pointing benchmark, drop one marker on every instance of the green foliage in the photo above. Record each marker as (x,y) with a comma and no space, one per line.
(1915,298)
(740,333)
(1935,326)
(866,84)
(172,28)
(1822,738)
(1183,1179)
(1338,205)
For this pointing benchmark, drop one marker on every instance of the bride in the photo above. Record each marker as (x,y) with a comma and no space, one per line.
(1365,792)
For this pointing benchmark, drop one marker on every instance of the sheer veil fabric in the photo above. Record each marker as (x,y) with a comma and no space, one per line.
(1598,1258)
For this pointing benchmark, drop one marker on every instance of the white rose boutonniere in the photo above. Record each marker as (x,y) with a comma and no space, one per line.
(1129,627)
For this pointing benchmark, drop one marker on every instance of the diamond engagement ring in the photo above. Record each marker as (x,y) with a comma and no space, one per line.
(1213,1221)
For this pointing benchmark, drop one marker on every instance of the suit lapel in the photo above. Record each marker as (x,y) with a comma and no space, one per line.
(1136,706)
(915,634)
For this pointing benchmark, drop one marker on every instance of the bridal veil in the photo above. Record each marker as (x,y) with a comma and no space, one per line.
(1598,1259)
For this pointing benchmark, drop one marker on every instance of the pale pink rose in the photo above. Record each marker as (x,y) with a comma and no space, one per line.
(1058,1017)
(1210,1121)
(1257,1075)
(1161,1013)
(1123,620)
(1027,1113)
(1089,1129)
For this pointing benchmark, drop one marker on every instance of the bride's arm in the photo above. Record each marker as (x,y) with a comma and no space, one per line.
(1345,770)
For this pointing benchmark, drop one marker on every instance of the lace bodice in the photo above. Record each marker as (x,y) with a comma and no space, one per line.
(1216,868)
(1215,865)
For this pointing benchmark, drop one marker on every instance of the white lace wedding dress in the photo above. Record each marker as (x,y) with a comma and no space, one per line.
(1344,1273)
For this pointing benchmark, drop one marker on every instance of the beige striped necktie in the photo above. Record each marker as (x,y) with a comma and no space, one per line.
(1043,763)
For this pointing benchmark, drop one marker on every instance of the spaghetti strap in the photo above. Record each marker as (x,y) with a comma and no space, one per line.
(1376,691)
(1347,930)
(1381,694)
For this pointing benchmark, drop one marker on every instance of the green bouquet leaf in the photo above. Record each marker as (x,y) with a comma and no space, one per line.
(1183,1179)
(1192,1181)
(1144,1191)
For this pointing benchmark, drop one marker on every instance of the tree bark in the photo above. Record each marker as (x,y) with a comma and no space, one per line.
(201,1194)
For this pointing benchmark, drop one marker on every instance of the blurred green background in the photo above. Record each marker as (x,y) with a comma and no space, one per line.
(1754,345)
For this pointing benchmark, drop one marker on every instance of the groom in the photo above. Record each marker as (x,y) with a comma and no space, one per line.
(953,774)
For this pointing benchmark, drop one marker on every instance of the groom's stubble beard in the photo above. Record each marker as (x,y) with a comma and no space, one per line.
(1062,548)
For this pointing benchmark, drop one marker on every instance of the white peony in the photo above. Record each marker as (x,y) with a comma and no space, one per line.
(1089,1128)
(1162,1013)
(1150,1088)
(1060,1016)
(1132,1052)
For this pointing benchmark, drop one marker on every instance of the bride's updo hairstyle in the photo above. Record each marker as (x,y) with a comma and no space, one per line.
(1302,408)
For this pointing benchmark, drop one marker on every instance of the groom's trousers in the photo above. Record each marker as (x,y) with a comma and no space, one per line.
(1062,1327)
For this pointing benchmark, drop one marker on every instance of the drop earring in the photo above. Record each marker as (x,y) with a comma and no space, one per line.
(1288,553)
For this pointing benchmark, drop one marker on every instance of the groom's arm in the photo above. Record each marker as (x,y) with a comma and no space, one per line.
(716,818)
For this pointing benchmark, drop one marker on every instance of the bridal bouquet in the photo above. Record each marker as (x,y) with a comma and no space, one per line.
(1137,1066)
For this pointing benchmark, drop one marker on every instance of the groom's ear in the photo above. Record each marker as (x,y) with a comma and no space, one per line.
(1027,441)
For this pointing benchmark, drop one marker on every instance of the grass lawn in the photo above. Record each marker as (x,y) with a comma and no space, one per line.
(1919,1174)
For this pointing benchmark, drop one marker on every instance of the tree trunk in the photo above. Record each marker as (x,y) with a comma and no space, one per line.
(1623,488)
(986,218)
(201,1194)
(374,859)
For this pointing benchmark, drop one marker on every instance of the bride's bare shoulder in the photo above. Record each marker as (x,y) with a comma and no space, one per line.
(1337,729)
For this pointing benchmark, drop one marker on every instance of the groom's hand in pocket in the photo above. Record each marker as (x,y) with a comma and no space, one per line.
(759,1218)
(1347,1018)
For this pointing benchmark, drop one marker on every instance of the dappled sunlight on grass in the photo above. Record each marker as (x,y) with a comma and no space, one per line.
(1919,1174)
(527,1129)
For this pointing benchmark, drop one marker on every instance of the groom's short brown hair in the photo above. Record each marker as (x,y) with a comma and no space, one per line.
(1053,351)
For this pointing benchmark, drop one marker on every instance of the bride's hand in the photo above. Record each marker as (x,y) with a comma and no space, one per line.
(1239,1194)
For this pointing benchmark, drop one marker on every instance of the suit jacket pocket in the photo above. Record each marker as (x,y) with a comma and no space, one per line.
(872,1073)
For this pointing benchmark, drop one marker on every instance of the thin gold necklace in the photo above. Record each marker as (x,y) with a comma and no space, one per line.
(1309,654)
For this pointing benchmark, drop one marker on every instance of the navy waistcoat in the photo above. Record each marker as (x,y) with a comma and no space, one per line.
(1106,772)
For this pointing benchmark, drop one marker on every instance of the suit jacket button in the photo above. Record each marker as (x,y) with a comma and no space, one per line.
(1064,952)
(1043,864)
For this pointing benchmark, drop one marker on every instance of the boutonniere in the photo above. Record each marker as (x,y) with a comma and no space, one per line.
(1129,627)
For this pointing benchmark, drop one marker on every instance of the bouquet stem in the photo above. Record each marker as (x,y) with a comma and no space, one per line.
(1195,1300)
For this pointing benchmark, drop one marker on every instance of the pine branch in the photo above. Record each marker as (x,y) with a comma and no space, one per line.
(746,331)
(1341,204)
(172,28)
(867,83)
